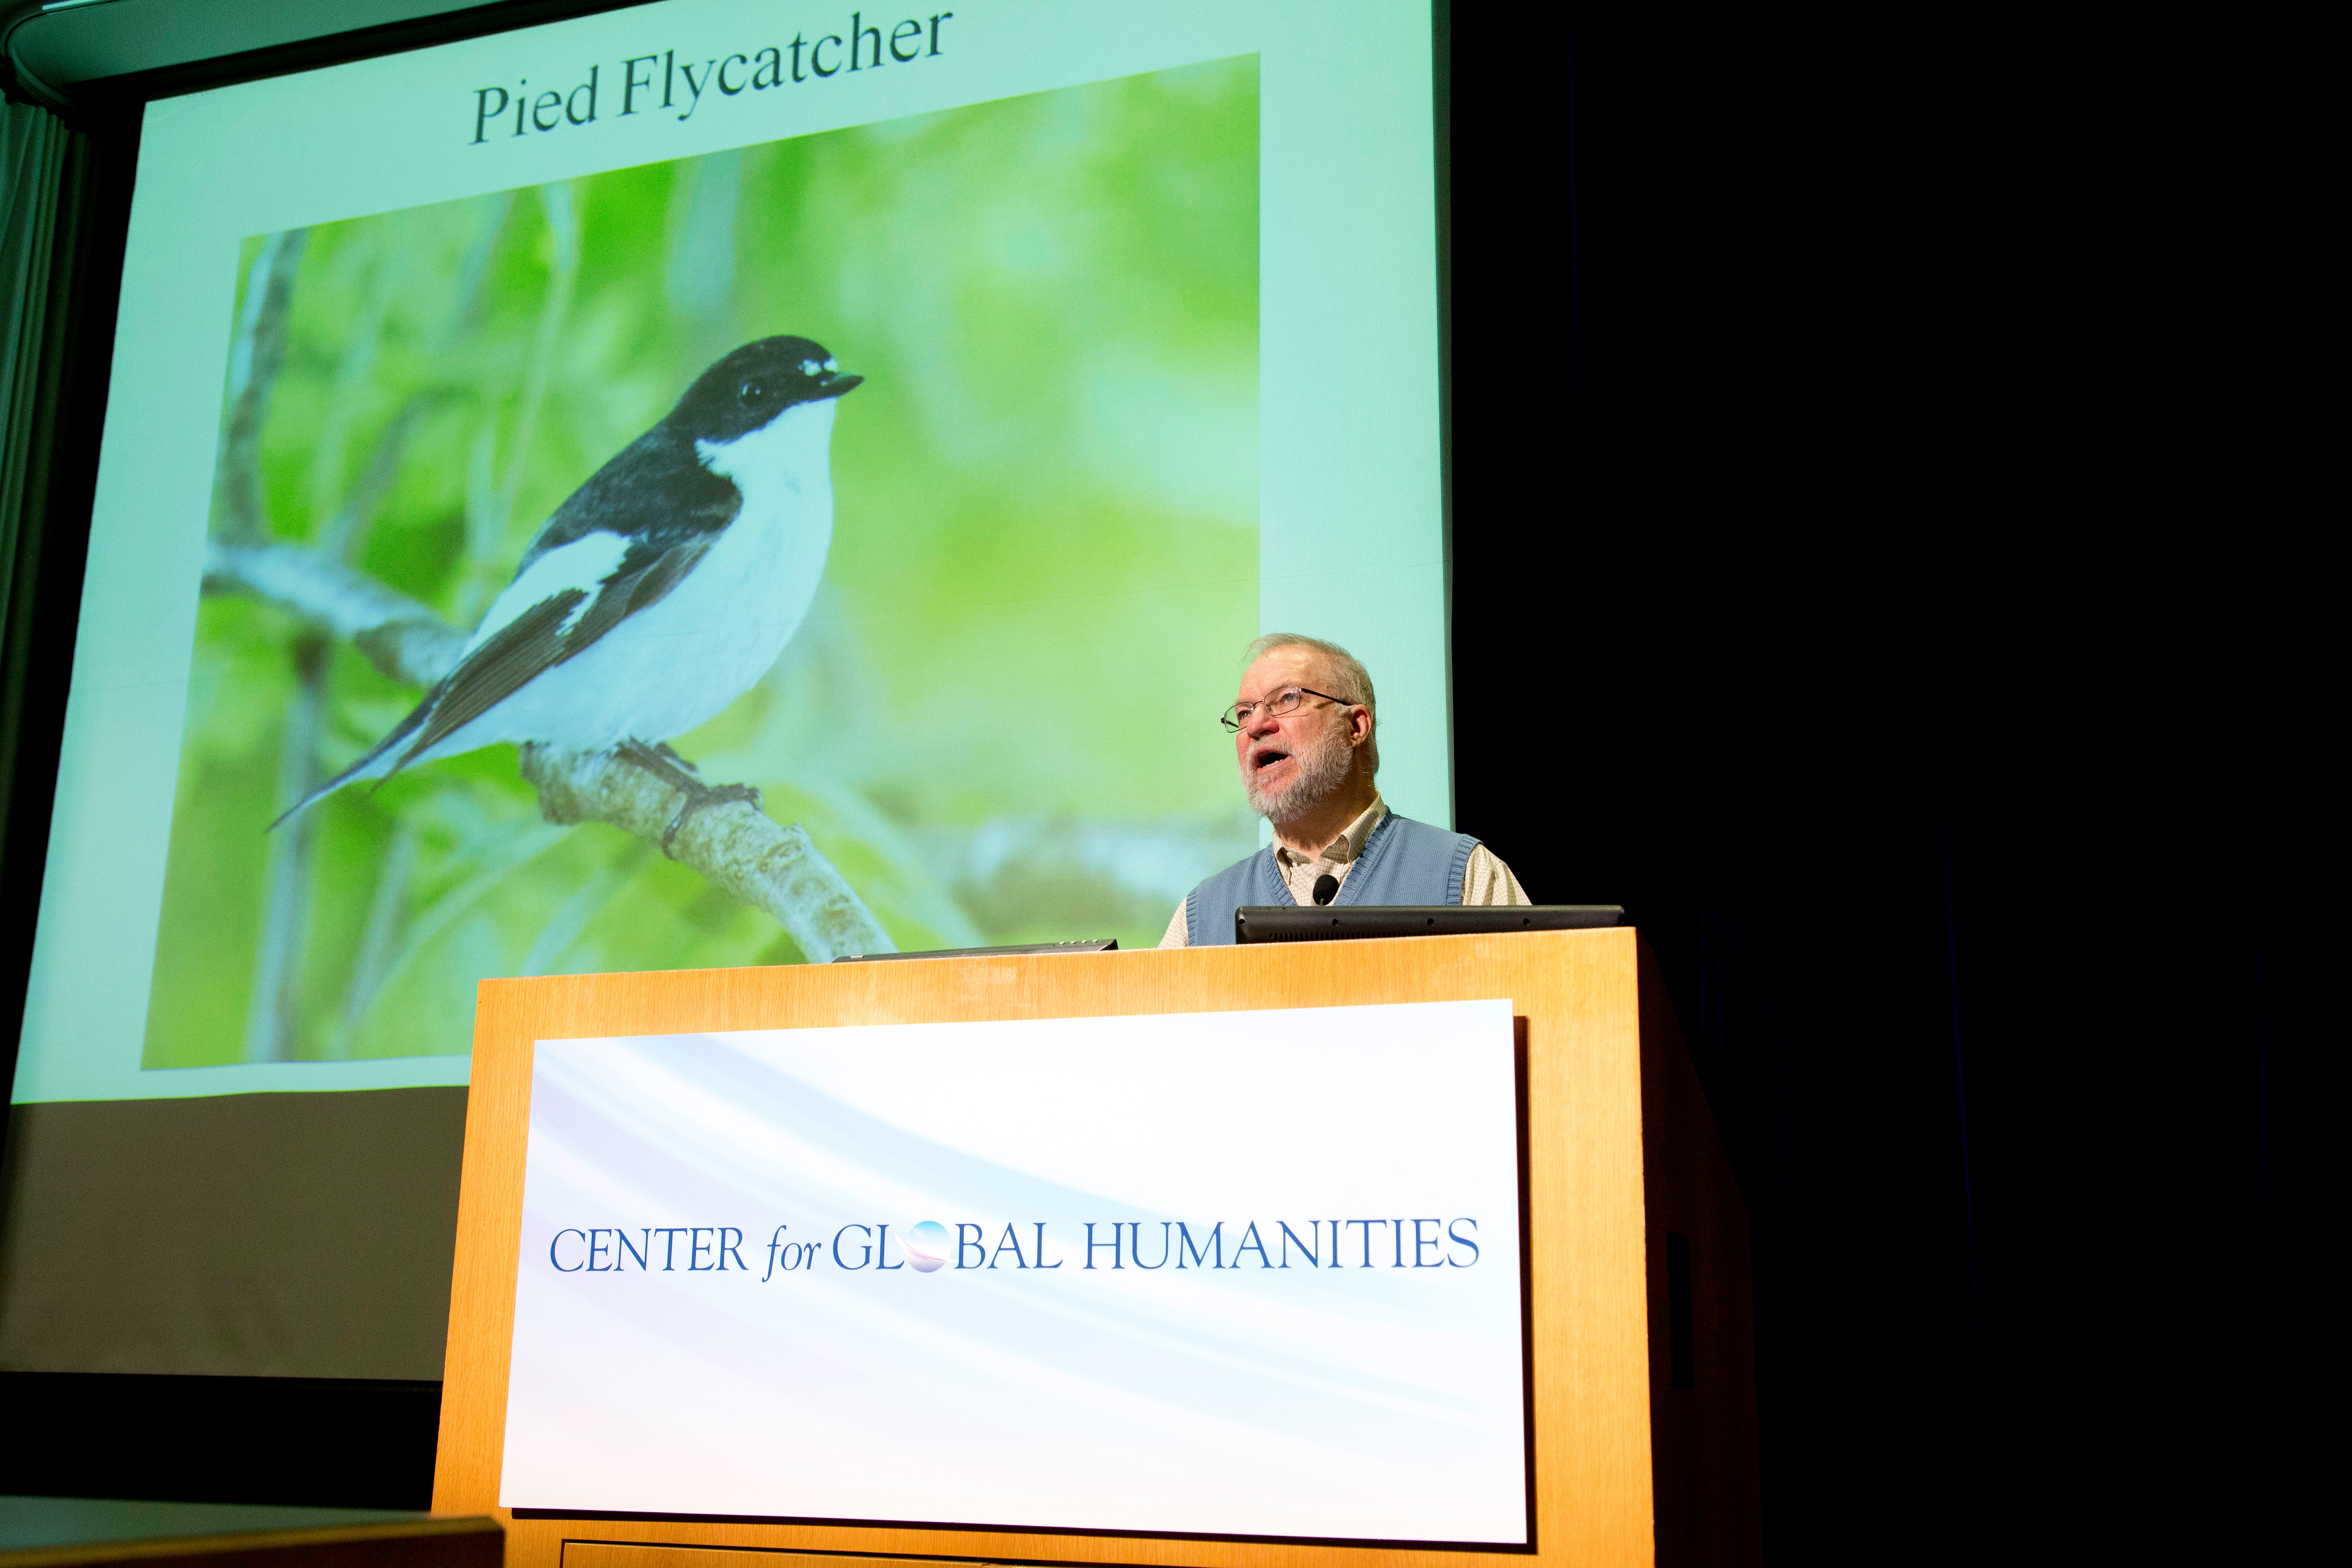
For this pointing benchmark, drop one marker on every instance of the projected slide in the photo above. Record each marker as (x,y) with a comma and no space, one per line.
(721,483)
(1233,1273)
(1052,301)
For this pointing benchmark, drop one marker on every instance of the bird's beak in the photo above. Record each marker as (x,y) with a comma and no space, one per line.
(833,385)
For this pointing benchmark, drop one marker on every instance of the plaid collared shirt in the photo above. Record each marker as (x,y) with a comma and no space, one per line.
(1484,880)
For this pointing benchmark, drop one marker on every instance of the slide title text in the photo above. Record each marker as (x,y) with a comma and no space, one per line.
(656,83)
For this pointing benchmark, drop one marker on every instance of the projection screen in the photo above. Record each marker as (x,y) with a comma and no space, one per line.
(1140,303)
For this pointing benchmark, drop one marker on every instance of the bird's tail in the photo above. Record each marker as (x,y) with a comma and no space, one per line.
(381,762)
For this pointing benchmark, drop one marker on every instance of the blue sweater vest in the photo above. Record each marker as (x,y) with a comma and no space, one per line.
(1404,862)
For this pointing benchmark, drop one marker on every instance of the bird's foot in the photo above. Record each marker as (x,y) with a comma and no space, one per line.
(678,774)
(662,763)
(704,798)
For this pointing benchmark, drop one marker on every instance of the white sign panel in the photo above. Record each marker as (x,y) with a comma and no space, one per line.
(1229,1273)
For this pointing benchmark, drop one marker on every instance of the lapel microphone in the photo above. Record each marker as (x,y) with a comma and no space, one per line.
(1327,888)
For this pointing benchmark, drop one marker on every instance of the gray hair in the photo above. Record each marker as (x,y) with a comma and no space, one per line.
(1353,681)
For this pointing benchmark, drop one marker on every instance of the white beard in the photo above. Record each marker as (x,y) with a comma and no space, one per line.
(1323,769)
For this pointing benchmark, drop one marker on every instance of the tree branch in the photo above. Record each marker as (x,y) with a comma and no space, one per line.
(737,846)
(775,869)
(256,353)
(400,636)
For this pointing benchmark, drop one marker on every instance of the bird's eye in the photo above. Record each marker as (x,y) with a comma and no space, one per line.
(754,391)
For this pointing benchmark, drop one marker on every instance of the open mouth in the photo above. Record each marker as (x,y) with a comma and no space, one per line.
(1265,757)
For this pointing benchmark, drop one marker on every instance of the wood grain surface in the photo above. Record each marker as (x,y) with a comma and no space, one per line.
(1577,992)
(630,1554)
(472,1542)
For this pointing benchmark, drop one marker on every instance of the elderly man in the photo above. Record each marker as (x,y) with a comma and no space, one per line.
(1304,730)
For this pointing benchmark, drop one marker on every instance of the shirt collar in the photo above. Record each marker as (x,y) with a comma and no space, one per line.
(1342,850)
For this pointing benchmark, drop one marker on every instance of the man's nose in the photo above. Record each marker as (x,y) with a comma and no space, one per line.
(1261,723)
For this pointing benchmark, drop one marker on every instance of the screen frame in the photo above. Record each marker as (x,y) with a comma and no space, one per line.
(107,118)
(44,592)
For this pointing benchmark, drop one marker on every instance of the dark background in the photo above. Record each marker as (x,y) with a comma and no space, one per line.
(1874,565)
(1872,568)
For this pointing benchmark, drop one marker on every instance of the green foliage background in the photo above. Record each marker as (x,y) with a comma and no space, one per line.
(997,722)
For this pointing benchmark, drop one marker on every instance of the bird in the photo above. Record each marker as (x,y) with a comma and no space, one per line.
(659,593)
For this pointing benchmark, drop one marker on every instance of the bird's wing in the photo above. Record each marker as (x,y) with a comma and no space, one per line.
(637,588)
(655,493)
(621,543)
(635,509)
(554,628)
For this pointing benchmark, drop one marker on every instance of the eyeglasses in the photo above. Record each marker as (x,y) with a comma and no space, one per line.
(1286,701)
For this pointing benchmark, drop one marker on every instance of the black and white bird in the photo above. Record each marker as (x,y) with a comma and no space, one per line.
(662,590)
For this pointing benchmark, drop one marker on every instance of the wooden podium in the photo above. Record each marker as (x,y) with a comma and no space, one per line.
(1642,1361)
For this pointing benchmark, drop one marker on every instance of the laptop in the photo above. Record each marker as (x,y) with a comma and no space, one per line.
(1098,944)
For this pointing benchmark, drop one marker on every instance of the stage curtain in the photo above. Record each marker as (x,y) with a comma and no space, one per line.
(32,162)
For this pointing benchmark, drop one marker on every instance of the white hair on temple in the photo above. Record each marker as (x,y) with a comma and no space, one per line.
(1349,679)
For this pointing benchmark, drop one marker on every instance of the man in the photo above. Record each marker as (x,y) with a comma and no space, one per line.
(1304,732)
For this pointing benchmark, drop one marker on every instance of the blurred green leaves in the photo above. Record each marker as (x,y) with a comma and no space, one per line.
(995,722)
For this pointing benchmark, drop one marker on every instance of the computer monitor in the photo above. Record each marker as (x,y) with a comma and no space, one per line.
(1320,923)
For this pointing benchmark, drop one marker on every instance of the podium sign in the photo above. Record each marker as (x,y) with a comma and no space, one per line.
(1249,1274)
(670,1346)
